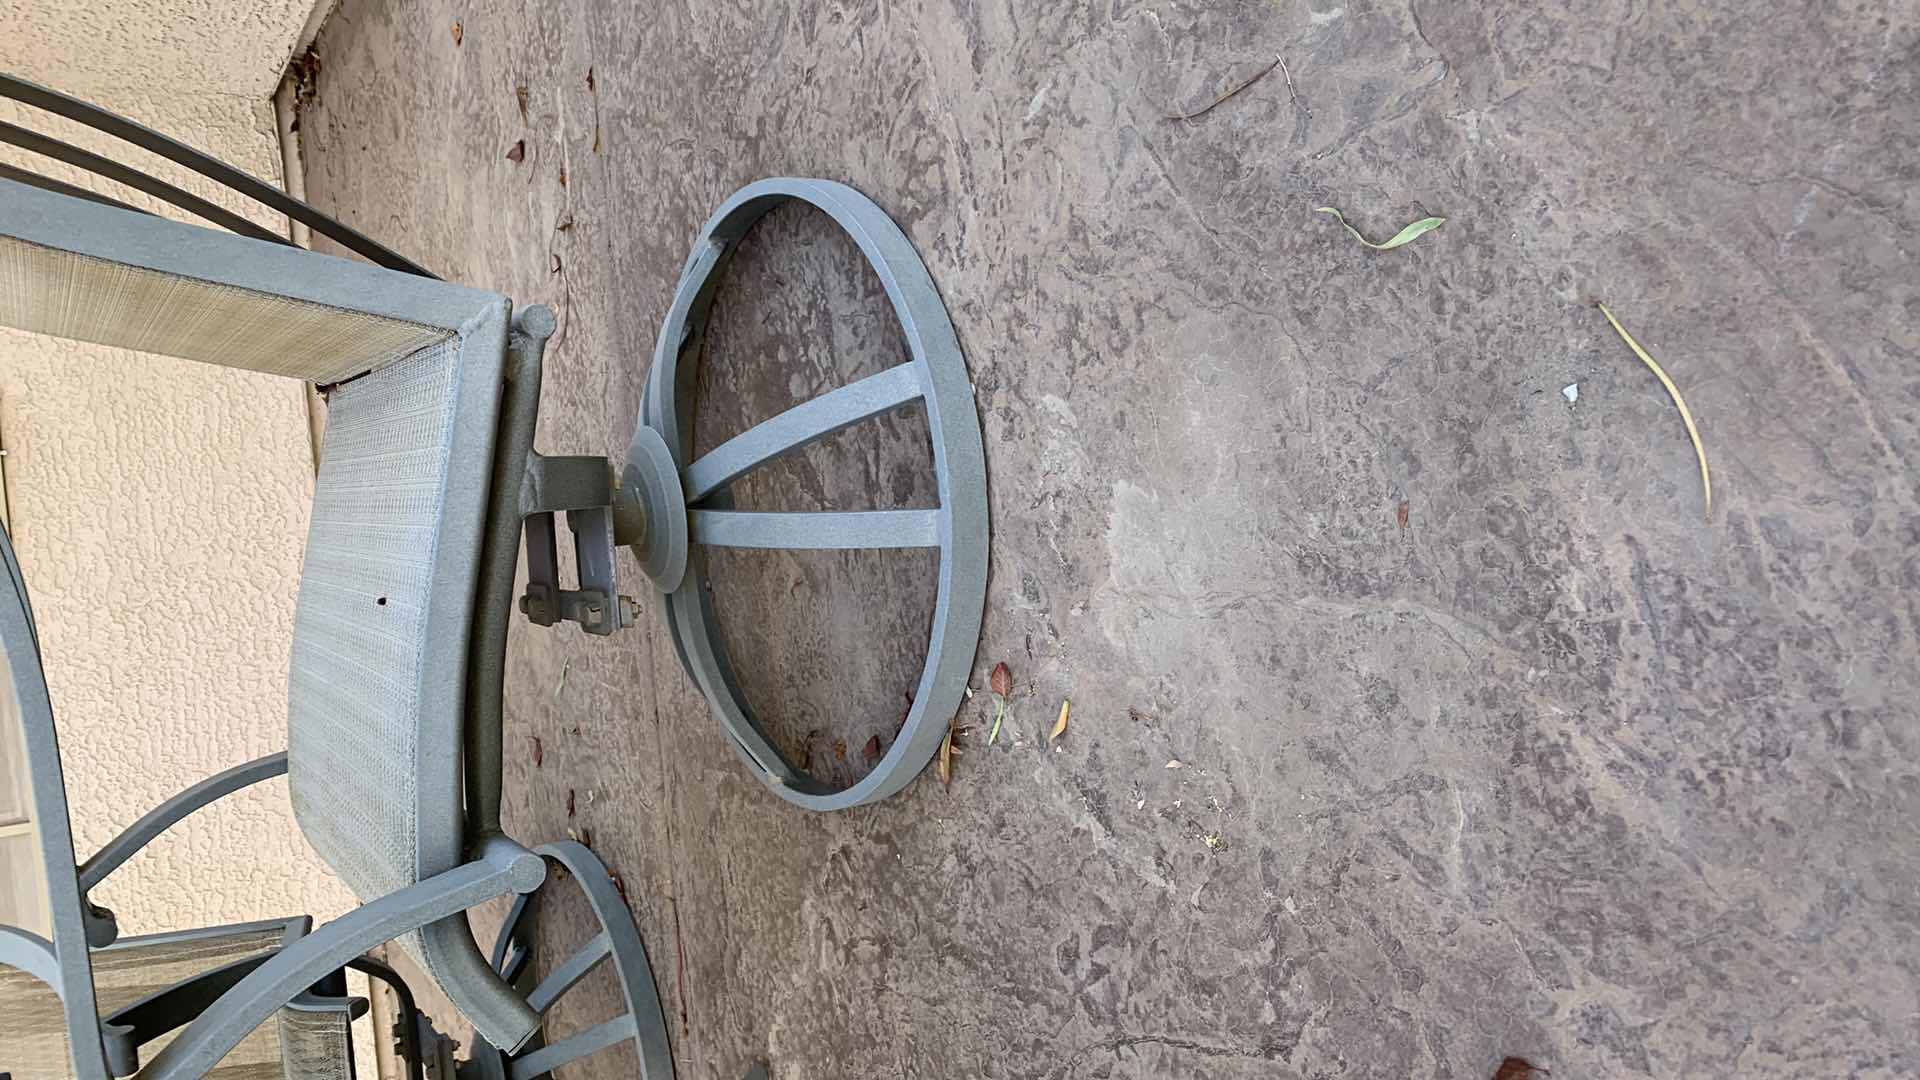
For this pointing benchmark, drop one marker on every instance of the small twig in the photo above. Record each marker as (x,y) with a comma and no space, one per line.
(1686,414)
(679,968)
(1288,75)
(553,348)
(1224,98)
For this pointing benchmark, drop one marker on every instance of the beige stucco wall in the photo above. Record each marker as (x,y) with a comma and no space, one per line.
(159,506)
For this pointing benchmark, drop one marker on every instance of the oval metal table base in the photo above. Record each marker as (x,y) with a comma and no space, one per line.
(935,377)
(644,1023)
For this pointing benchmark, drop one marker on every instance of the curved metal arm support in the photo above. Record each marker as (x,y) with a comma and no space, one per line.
(61,187)
(503,868)
(47,146)
(30,953)
(180,153)
(167,814)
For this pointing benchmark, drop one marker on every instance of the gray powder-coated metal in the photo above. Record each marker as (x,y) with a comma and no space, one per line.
(936,376)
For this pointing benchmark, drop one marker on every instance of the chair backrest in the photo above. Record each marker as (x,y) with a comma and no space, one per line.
(387,593)
(379,641)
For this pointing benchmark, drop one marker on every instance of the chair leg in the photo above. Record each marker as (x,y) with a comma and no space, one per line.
(644,1023)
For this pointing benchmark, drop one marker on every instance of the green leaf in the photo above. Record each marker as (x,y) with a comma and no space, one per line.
(999,714)
(1404,236)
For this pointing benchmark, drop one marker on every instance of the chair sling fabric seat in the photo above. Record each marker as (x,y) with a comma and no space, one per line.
(296,1045)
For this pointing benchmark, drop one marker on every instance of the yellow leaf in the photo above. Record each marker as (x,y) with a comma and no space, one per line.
(946,758)
(1406,235)
(1060,725)
(1686,415)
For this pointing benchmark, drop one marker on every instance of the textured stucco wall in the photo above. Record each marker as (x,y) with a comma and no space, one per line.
(160,506)
(160,52)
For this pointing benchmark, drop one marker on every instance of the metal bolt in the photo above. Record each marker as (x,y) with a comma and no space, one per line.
(629,611)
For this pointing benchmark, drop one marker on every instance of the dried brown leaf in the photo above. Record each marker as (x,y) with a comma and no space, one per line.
(306,78)
(539,754)
(456,31)
(1405,509)
(1002,680)
(556,265)
(1514,1068)
(569,802)
(589,78)
(563,224)
(946,758)
(563,176)
(1060,725)
(518,151)
(871,751)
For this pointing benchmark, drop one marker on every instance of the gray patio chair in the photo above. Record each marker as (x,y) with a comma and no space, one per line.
(146,987)
(427,475)
(138,982)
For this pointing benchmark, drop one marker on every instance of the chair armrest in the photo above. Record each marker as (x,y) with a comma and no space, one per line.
(167,814)
(101,928)
(30,953)
(501,867)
